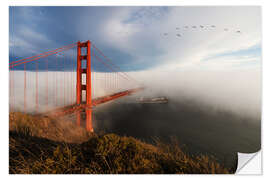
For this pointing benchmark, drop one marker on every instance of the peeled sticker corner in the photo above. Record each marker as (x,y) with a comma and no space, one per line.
(249,163)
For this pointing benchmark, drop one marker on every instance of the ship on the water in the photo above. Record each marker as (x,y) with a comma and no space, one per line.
(157,100)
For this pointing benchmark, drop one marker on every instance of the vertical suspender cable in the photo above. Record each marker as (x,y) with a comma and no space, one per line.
(64,87)
(56,83)
(114,85)
(24,99)
(69,83)
(47,84)
(36,87)
(72,74)
(10,90)
(13,89)
(92,82)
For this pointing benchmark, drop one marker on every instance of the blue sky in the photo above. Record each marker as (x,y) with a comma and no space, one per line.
(134,37)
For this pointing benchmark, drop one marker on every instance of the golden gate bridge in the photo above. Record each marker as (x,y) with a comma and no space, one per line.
(68,80)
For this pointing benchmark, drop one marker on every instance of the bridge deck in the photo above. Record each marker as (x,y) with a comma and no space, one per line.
(95,102)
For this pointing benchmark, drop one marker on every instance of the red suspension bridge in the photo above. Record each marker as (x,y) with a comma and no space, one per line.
(67,80)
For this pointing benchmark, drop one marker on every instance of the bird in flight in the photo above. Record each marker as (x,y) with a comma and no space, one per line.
(179,35)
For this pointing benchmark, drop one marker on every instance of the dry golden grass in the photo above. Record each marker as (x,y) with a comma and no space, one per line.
(47,127)
(39,145)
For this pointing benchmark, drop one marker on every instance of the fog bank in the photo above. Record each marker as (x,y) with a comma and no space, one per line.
(235,91)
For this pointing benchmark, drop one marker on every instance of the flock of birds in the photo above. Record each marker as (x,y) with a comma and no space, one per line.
(201,26)
(186,27)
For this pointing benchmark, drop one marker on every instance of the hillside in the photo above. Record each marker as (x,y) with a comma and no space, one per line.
(43,145)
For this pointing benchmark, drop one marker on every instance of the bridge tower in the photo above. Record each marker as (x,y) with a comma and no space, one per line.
(84,87)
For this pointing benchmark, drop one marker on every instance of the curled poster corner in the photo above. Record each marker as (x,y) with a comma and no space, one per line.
(249,163)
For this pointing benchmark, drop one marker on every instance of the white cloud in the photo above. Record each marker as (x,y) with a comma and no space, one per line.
(195,43)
